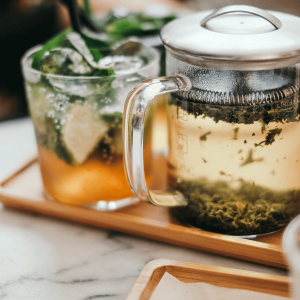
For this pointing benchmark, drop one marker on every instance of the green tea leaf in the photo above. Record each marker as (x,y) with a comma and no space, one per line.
(203,137)
(235,133)
(250,159)
(270,137)
(248,209)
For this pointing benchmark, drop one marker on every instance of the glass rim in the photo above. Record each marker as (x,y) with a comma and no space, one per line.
(37,72)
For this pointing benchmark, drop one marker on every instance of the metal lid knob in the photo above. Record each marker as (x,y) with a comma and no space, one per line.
(244,9)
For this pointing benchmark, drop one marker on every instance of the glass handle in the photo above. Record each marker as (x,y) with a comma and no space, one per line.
(133,132)
(246,9)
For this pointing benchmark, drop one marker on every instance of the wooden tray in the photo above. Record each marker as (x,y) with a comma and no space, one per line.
(24,190)
(219,276)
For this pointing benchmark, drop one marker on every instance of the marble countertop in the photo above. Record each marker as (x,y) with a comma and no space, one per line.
(46,258)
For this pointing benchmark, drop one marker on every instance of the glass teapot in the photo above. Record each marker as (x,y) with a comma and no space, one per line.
(233,121)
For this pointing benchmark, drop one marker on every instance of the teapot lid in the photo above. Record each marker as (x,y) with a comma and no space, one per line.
(235,37)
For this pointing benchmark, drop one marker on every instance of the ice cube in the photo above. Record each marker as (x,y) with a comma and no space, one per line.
(122,64)
(64,61)
(131,46)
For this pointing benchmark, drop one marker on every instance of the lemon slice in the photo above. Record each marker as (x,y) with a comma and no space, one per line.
(82,131)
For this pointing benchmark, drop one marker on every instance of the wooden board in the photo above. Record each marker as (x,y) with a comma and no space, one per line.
(24,191)
(219,276)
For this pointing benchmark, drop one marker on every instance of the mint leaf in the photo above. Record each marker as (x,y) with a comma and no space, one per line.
(96,54)
(136,24)
(91,50)
(145,18)
(58,41)
(97,48)
(124,27)
(93,43)
(103,72)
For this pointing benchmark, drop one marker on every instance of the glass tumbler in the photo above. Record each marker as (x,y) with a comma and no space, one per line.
(78,125)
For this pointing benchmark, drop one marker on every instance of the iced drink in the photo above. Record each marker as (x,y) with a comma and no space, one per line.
(77,110)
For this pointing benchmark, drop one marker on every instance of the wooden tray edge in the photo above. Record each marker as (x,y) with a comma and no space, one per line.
(238,248)
(219,276)
(16,171)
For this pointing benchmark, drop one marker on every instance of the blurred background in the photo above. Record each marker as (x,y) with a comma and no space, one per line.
(26,23)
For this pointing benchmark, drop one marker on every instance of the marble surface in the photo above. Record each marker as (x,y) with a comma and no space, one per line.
(45,258)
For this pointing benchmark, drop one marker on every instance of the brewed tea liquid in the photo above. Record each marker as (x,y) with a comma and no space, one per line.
(100,177)
(239,178)
(89,182)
